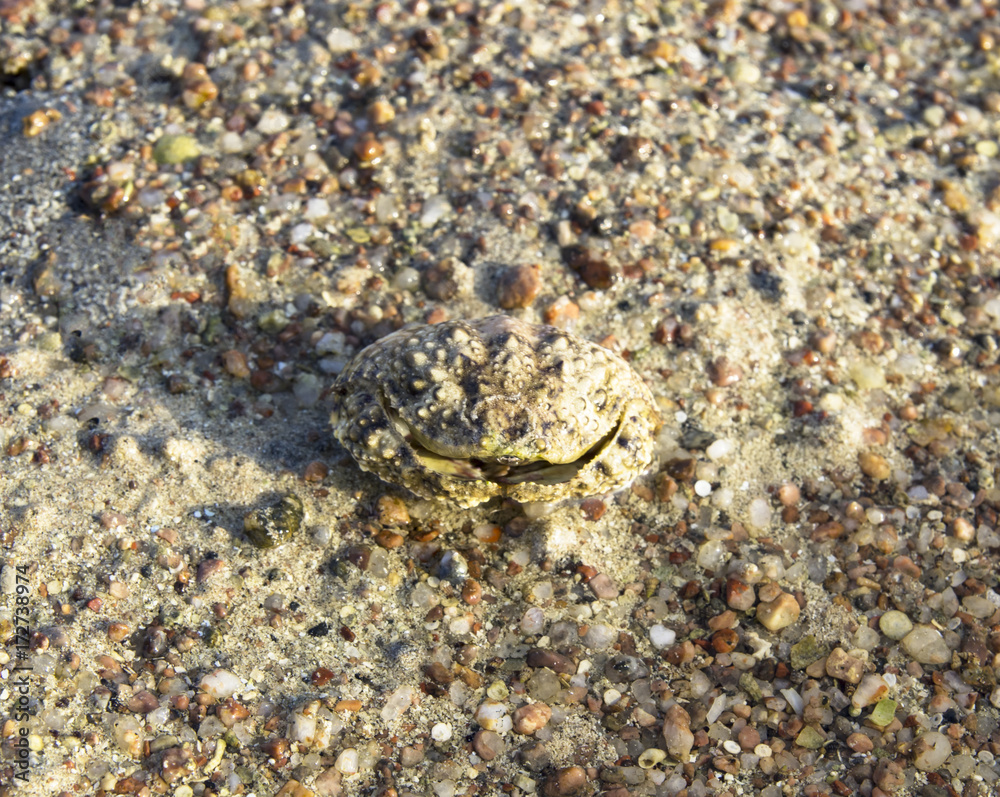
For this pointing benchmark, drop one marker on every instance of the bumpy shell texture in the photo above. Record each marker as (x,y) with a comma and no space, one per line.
(470,410)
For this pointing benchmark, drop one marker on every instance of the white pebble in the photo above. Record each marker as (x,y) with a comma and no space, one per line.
(533,621)
(347,762)
(272,121)
(492,716)
(316,208)
(341,40)
(662,637)
(760,513)
(398,702)
(434,208)
(702,488)
(720,449)
(301,233)
(220,684)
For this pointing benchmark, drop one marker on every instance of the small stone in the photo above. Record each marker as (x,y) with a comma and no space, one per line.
(894,624)
(143,702)
(208,568)
(391,511)
(724,373)
(883,713)
(235,364)
(518,286)
(740,596)
(744,71)
(677,732)
(565,782)
(926,645)
(778,613)
(557,662)
(810,738)
(806,651)
(487,745)
(118,631)
(871,689)
(860,743)
(528,719)
(170,150)
(874,466)
(930,751)
(867,377)
(492,716)
(889,775)
(220,684)
(603,587)
(347,761)
(844,667)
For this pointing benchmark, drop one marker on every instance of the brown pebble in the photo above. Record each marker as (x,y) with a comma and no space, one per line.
(321,676)
(315,471)
(518,286)
(724,640)
(592,267)
(528,719)
(143,702)
(874,466)
(368,150)
(603,587)
(593,508)
(487,744)
(748,738)
(472,591)
(557,662)
(860,743)
(118,631)
(276,750)
(564,782)
(208,568)
(724,373)
(389,539)
(231,711)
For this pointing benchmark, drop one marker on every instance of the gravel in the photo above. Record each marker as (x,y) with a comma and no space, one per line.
(784,218)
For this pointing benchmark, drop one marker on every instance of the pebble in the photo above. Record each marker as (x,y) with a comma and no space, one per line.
(760,514)
(220,684)
(871,689)
(565,782)
(844,667)
(778,613)
(895,624)
(930,751)
(874,466)
(662,637)
(926,645)
(487,744)
(517,286)
(171,150)
(530,718)
(677,733)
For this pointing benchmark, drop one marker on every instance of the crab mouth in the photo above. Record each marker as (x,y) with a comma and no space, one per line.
(505,470)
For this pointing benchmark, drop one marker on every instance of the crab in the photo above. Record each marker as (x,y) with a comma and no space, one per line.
(471,410)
